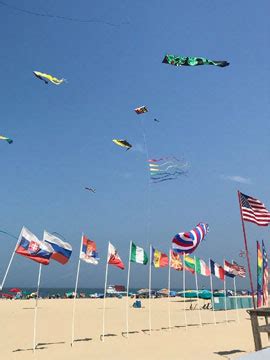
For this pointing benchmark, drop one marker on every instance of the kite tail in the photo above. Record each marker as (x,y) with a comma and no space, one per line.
(221,63)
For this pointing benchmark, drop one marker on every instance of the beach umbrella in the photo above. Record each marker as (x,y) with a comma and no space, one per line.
(15,290)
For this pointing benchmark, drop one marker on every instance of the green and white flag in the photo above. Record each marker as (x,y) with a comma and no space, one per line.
(138,255)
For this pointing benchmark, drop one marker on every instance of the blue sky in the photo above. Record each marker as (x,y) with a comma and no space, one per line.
(217,119)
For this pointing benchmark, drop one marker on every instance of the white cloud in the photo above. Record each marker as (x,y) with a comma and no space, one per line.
(237,178)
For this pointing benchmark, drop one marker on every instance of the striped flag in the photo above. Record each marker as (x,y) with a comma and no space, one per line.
(254,210)
(187,242)
(159,259)
(241,271)
(229,269)
(189,263)
(259,276)
(265,276)
(138,255)
(217,270)
(201,267)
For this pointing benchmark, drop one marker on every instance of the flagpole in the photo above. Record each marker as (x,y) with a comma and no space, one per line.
(235,294)
(104,298)
(9,264)
(225,297)
(212,294)
(75,293)
(247,253)
(169,290)
(127,302)
(184,289)
(197,289)
(36,307)
(150,265)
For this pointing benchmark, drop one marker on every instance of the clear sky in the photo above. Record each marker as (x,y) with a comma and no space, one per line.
(217,118)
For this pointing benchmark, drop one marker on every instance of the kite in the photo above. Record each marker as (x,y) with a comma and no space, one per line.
(122,143)
(10,141)
(187,242)
(242,253)
(141,110)
(156,120)
(46,78)
(168,168)
(192,61)
(90,189)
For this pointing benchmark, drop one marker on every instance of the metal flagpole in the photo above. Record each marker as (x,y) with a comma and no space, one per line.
(75,293)
(169,290)
(197,290)
(104,298)
(127,302)
(36,307)
(184,289)
(9,264)
(212,294)
(225,297)
(150,265)
(235,294)
(247,253)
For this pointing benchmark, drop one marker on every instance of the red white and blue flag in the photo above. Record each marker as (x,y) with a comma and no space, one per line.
(241,271)
(187,242)
(61,250)
(32,248)
(229,269)
(89,251)
(254,210)
(217,270)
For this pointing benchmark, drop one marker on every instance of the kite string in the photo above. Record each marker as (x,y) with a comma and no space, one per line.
(148,203)
(29,12)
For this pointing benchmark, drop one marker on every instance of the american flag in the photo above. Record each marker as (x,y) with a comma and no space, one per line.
(241,271)
(253,210)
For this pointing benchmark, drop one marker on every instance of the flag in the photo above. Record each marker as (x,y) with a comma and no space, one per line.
(114,258)
(89,251)
(32,248)
(61,250)
(241,271)
(189,263)
(259,276)
(265,276)
(176,262)
(159,259)
(229,269)
(217,270)
(187,242)
(201,267)
(138,255)
(254,210)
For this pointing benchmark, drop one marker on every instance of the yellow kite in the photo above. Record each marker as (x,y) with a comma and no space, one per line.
(47,77)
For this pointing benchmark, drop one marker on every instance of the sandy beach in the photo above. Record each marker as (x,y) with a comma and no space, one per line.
(221,341)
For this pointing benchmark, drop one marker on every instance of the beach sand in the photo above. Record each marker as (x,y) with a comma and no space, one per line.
(221,341)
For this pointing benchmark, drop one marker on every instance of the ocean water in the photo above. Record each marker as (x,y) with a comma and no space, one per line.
(45,292)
